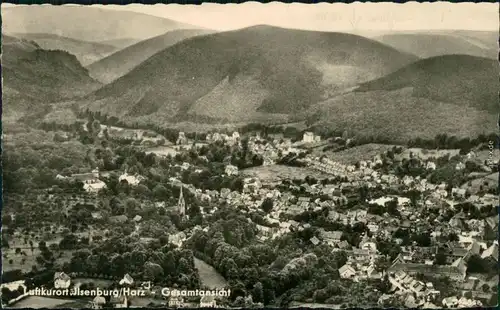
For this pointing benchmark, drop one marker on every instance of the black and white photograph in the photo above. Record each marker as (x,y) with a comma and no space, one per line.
(250,155)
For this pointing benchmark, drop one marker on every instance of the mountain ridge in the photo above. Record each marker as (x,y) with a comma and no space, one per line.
(73,22)
(427,45)
(34,77)
(473,80)
(288,64)
(122,61)
(85,51)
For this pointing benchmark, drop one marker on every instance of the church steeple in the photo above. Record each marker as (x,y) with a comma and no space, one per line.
(181,204)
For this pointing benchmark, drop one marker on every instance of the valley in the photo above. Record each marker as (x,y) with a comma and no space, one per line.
(286,160)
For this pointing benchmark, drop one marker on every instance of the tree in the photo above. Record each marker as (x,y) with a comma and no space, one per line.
(258,292)
(153,271)
(6,219)
(267,205)
(160,192)
(475,264)
(392,207)
(485,287)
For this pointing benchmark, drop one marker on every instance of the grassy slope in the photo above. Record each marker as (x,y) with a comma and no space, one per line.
(282,67)
(121,62)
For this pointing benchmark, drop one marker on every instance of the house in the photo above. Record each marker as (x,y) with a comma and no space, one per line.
(455,271)
(491,253)
(331,237)
(118,219)
(181,139)
(368,245)
(344,245)
(98,302)
(450,302)
(133,180)
(231,170)
(460,166)
(86,177)
(94,186)
(127,280)
(61,280)
(458,192)
(347,271)
(308,137)
(177,239)
(430,166)
(119,301)
(175,302)
(137,218)
(314,240)
(208,302)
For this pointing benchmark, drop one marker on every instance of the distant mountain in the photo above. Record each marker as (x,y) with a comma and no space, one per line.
(33,76)
(457,79)
(455,94)
(85,52)
(121,43)
(245,74)
(424,45)
(86,23)
(120,63)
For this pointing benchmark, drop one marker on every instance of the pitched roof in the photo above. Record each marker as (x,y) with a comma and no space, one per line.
(61,276)
(83,176)
(346,268)
(492,221)
(99,300)
(492,251)
(336,235)
(314,240)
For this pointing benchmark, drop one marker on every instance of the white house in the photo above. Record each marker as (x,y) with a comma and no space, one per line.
(98,302)
(460,166)
(127,280)
(61,280)
(94,186)
(308,137)
(430,166)
(458,192)
(175,302)
(131,179)
(181,139)
(231,170)
(347,271)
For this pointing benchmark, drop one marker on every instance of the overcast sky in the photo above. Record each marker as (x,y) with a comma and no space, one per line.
(329,17)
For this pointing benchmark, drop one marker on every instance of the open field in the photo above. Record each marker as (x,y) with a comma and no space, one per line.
(37,302)
(276,173)
(488,181)
(61,113)
(355,154)
(208,275)
(25,262)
